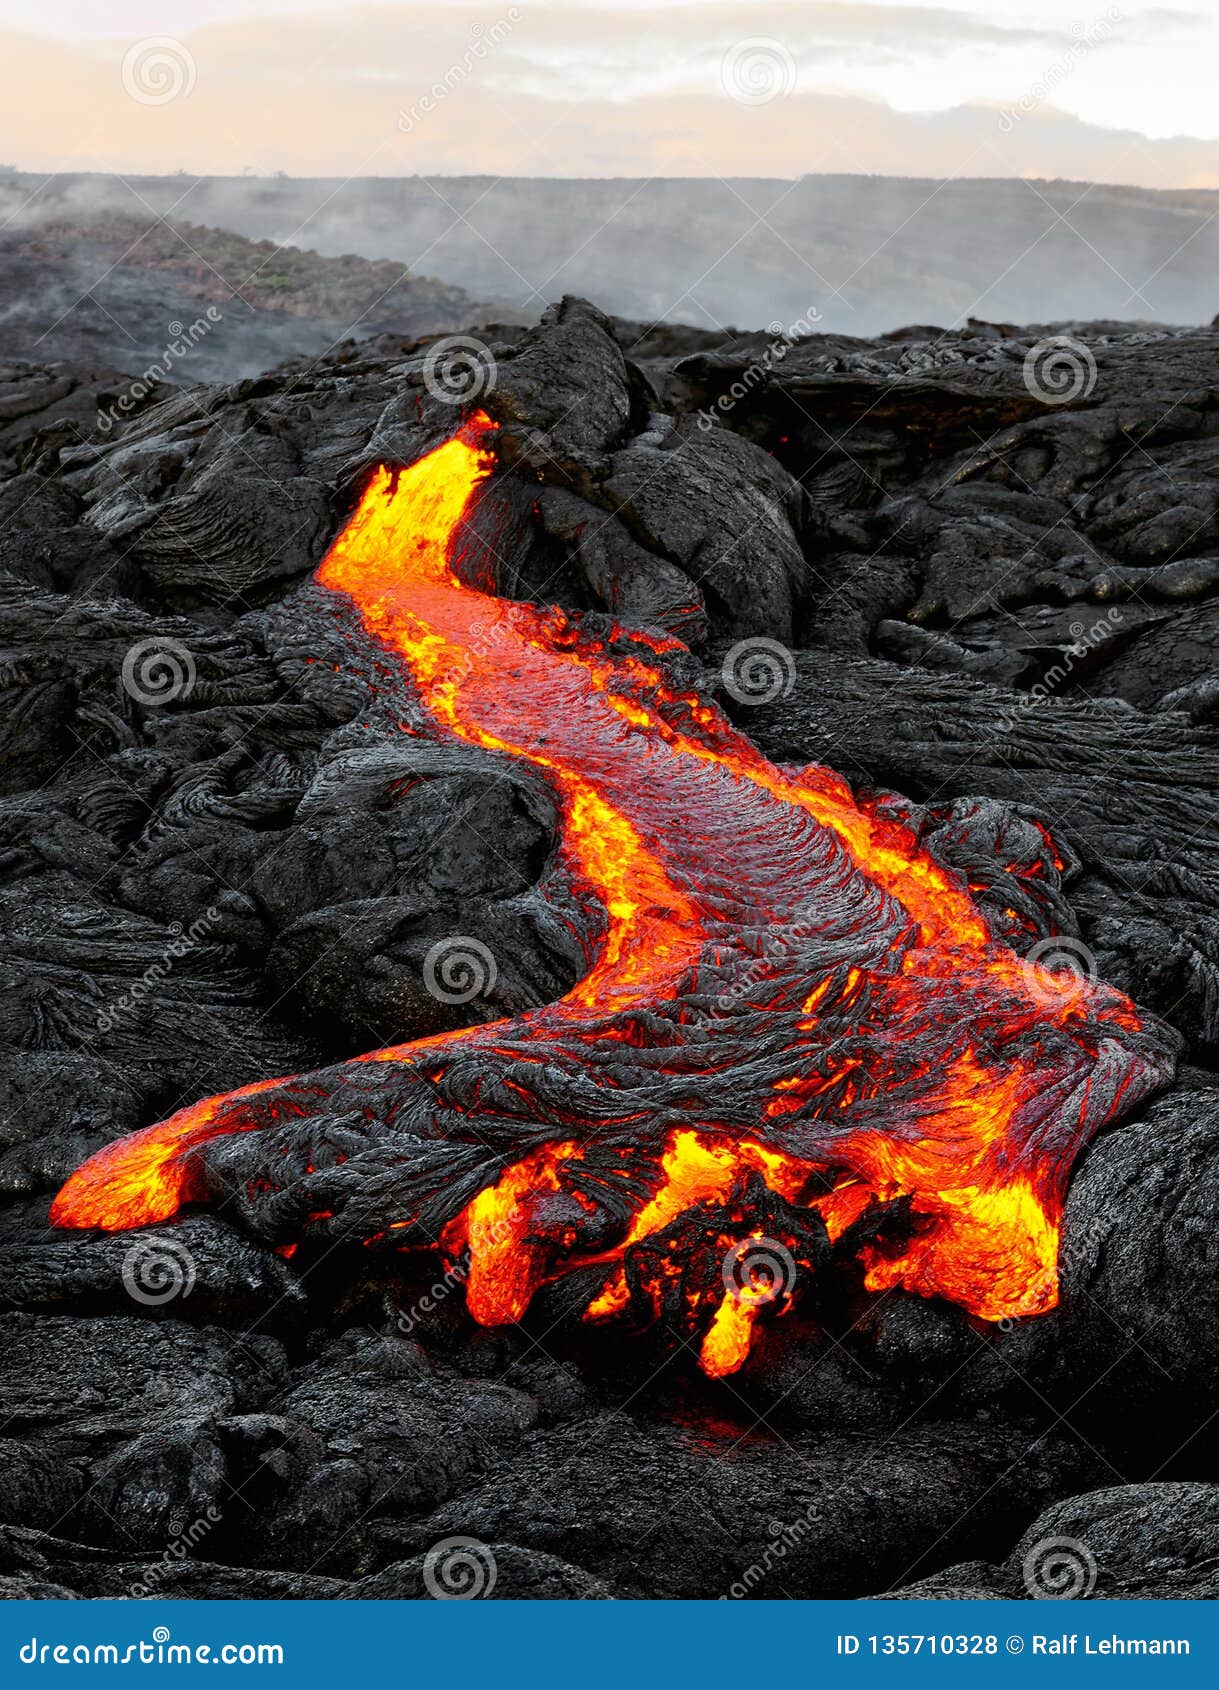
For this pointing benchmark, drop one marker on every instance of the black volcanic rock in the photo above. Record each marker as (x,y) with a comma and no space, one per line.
(225,1277)
(1128,1541)
(120,1420)
(725,513)
(685,1515)
(521,1575)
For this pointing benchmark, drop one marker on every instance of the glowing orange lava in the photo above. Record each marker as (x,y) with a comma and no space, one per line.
(785,985)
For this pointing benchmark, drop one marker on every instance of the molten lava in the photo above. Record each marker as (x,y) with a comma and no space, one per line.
(793,1017)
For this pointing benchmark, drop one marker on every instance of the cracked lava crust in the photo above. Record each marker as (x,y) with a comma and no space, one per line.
(795,1026)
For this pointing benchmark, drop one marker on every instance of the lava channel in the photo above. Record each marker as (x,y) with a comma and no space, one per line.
(795,1028)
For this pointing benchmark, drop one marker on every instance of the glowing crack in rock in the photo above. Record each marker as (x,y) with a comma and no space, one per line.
(793,1018)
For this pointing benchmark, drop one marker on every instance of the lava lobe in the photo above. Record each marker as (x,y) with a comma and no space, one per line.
(793,1019)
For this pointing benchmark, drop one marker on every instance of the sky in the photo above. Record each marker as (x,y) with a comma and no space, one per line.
(1106,90)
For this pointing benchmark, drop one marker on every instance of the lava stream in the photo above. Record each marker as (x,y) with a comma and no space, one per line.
(792,1016)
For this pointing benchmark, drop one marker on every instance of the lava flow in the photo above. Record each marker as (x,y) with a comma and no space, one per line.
(798,1034)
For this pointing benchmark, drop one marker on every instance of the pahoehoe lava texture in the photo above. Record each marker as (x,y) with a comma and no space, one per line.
(831,1026)
(890,560)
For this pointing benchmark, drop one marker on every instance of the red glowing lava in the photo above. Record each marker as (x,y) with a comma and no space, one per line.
(788,996)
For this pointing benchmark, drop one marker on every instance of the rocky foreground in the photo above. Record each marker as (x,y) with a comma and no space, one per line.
(952,566)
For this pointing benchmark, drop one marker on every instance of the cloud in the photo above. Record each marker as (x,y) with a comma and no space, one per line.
(548,90)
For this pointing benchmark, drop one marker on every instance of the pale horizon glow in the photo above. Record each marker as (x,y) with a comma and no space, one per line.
(1089,89)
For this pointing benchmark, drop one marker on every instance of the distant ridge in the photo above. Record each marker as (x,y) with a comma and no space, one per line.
(866,253)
